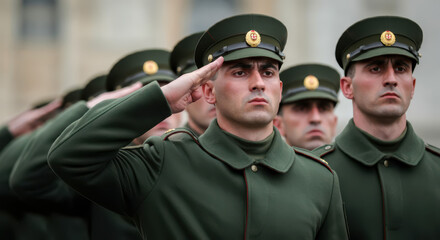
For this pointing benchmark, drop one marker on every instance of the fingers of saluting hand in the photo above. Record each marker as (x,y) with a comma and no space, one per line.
(206,72)
(114,94)
(184,90)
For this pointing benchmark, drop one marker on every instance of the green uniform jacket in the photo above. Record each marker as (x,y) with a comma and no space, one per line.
(180,187)
(17,220)
(387,196)
(35,182)
(5,137)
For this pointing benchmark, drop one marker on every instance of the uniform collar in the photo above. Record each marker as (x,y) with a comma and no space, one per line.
(192,130)
(279,158)
(356,144)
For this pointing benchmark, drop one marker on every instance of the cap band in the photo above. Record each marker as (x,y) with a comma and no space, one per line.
(364,48)
(188,64)
(294,91)
(132,78)
(241,45)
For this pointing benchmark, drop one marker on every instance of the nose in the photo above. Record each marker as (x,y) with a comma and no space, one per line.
(390,76)
(256,82)
(315,115)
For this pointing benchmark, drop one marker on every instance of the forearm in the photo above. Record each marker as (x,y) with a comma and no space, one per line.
(32,179)
(86,155)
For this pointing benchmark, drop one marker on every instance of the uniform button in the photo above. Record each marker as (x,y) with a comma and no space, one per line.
(327,147)
(254,168)
(386,163)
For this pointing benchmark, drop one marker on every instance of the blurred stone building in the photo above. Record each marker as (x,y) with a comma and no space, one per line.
(48,47)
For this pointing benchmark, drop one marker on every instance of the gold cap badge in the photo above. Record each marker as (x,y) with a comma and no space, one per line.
(253,38)
(150,67)
(210,57)
(387,38)
(311,82)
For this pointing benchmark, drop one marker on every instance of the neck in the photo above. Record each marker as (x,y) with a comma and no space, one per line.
(251,133)
(195,127)
(380,128)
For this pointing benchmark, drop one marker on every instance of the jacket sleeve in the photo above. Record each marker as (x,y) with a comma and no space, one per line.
(88,155)
(335,226)
(33,180)
(8,158)
(5,137)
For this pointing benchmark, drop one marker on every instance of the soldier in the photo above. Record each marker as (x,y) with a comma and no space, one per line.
(27,121)
(18,220)
(200,113)
(145,66)
(239,179)
(389,176)
(306,117)
(34,181)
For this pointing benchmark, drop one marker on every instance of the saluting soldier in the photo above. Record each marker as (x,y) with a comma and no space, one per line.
(389,177)
(35,182)
(238,180)
(200,113)
(306,117)
(145,66)
(19,220)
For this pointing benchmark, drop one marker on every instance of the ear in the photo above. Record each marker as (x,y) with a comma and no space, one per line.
(281,89)
(414,87)
(209,92)
(277,122)
(347,87)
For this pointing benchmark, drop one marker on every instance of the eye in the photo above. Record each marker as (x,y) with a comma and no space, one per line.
(375,69)
(325,107)
(400,69)
(299,108)
(268,73)
(238,73)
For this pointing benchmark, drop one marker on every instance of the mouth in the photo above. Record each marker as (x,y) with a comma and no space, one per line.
(390,95)
(258,101)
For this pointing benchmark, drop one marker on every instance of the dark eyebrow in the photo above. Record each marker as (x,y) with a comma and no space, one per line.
(240,65)
(403,62)
(375,62)
(269,65)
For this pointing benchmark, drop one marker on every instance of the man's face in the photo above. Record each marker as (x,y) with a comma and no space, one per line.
(173,121)
(200,115)
(246,92)
(381,88)
(307,123)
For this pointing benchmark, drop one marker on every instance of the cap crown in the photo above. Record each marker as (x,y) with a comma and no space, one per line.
(310,81)
(94,87)
(182,56)
(142,66)
(376,36)
(242,36)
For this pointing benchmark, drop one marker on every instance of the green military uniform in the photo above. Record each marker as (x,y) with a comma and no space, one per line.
(17,220)
(5,137)
(179,186)
(390,188)
(34,181)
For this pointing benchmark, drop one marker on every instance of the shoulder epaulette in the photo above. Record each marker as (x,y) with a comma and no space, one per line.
(179,134)
(133,146)
(433,149)
(323,150)
(312,156)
